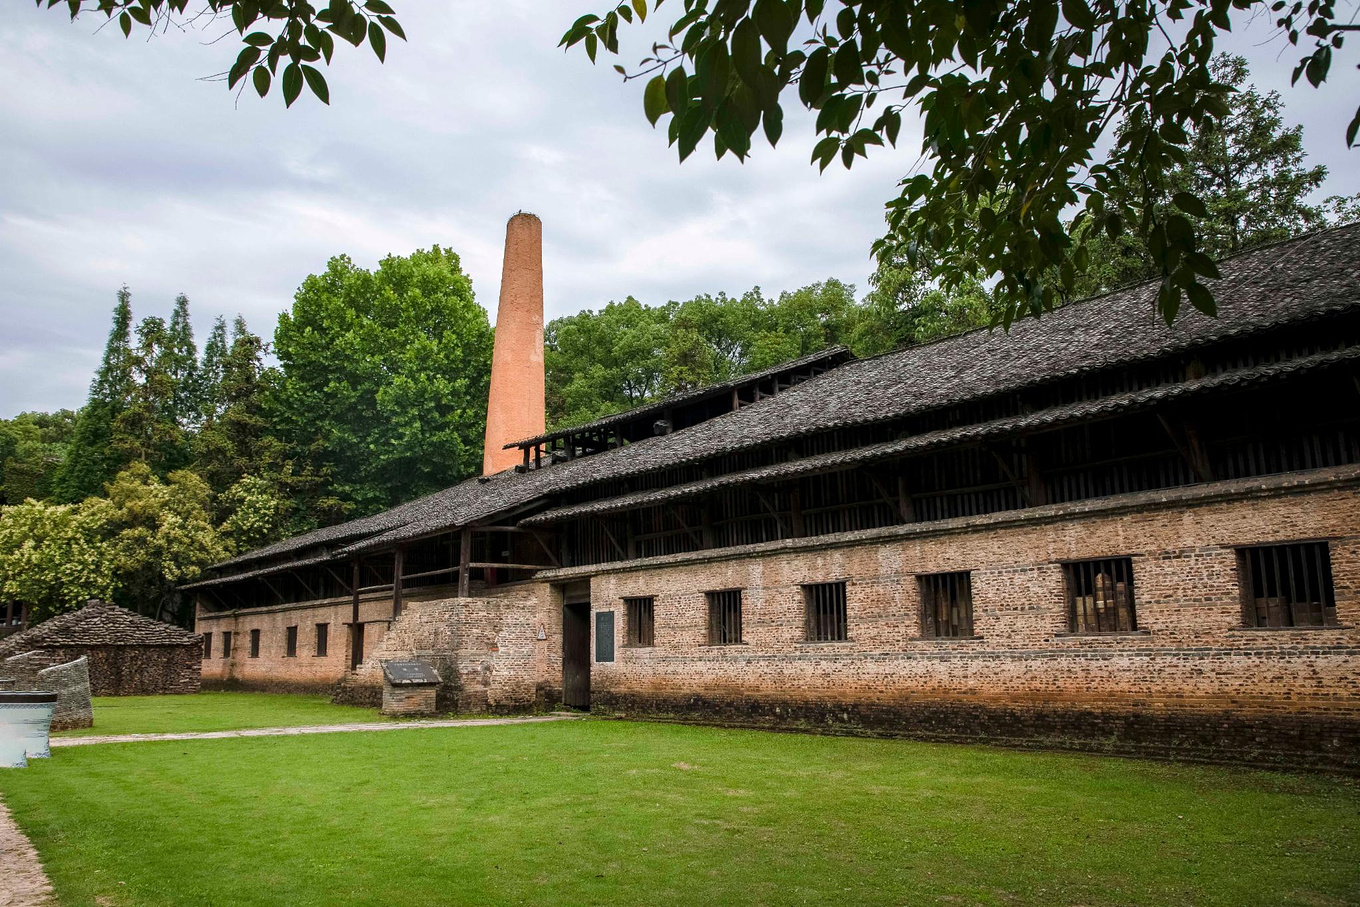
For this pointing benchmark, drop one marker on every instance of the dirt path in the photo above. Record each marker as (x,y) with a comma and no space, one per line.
(22,880)
(305,729)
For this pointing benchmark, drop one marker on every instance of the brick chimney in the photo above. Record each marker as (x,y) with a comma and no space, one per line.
(515,408)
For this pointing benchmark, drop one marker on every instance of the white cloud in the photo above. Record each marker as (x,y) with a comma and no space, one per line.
(118,165)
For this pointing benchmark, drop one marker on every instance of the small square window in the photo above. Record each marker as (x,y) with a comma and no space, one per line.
(226,643)
(947,605)
(1287,585)
(824,617)
(1100,596)
(641,617)
(724,617)
(207,645)
(254,643)
(290,643)
(323,632)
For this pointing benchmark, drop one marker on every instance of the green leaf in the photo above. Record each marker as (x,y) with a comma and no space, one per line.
(1078,13)
(640,7)
(292,83)
(125,23)
(677,90)
(393,26)
(262,79)
(259,39)
(244,60)
(775,22)
(317,83)
(378,41)
(825,151)
(654,99)
(377,6)
(1190,203)
(1201,298)
(692,128)
(812,83)
(746,56)
(774,124)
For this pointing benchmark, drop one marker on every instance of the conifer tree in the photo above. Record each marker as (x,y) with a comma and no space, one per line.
(181,362)
(149,429)
(92,459)
(210,371)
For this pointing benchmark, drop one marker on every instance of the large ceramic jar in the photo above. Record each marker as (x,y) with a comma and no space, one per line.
(25,720)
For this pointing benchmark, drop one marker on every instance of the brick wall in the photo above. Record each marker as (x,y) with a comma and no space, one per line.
(1191,679)
(46,670)
(485,649)
(133,670)
(409,700)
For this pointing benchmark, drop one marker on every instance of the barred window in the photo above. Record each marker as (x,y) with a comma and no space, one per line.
(824,612)
(290,643)
(323,632)
(947,605)
(226,643)
(641,617)
(724,617)
(207,645)
(254,643)
(1287,585)
(1100,596)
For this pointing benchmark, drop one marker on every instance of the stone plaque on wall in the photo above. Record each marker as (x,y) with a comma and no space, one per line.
(604,636)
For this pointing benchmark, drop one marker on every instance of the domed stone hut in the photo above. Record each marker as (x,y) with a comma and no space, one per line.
(129,655)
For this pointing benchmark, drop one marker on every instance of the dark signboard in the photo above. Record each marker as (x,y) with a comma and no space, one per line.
(409,672)
(604,636)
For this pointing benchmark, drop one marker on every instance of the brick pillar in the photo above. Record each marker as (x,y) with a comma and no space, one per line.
(515,408)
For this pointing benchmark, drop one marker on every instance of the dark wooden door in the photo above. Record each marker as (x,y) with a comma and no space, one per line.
(357,650)
(576,655)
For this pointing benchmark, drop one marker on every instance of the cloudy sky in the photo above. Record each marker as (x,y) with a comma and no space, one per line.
(118,164)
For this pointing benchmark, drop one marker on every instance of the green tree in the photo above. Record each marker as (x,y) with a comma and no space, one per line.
(55,556)
(254,512)
(1020,101)
(181,365)
(904,308)
(92,458)
(160,534)
(149,428)
(210,370)
(383,377)
(1247,169)
(32,450)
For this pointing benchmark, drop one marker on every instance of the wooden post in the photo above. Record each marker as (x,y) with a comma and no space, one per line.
(706,522)
(355,628)
(905,507)
(398,562)
(796,510)
(464,556)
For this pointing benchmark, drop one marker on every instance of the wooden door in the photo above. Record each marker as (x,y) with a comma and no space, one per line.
(357,650)
(576,655)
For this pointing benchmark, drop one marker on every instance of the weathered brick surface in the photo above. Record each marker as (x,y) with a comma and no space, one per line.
(130,670)
(45,670)
(485,649)
(408,700)
(1191,679)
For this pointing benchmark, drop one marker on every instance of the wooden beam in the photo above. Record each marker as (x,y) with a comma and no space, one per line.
(796,510)
(779,520)
(698,539)
(355,628)
(265,580)
(1010,475)
(398,565)
(609,535)
(706,524)
(1186,440)
(338,578)
(538,537)
(464,556)
(906,508)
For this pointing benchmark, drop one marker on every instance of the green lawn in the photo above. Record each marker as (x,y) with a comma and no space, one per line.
(215,712)
(602,812)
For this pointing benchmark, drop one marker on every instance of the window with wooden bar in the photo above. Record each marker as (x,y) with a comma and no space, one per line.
(824,616)
(1287,585)
(323,632)
(947,605)
(640,613)
(1100,596)
(724,617)
(207,645)
(290,642)
(254,643)
(226,643)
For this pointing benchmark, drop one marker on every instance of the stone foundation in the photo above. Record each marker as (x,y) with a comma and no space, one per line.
(41,670)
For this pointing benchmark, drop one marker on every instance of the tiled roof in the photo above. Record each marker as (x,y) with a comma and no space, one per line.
(1309,278)
(98,624)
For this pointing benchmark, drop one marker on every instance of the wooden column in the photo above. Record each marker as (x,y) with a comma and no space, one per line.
(906,508)
(796,510)
(398,562)
(355,628)
(464,556)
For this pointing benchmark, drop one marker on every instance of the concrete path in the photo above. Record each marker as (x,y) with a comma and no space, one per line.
(22,880)
(306,729)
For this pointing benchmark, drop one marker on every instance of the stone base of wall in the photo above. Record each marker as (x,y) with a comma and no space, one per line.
(408,700)
(1294,742)
(41,670)
(256,685)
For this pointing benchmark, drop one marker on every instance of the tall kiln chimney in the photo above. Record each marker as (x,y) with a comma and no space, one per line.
(515,408)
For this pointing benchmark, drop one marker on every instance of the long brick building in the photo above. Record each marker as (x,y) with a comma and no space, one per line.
(1093,531)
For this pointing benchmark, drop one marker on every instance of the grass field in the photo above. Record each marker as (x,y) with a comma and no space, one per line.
(598,812)
(214,712)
